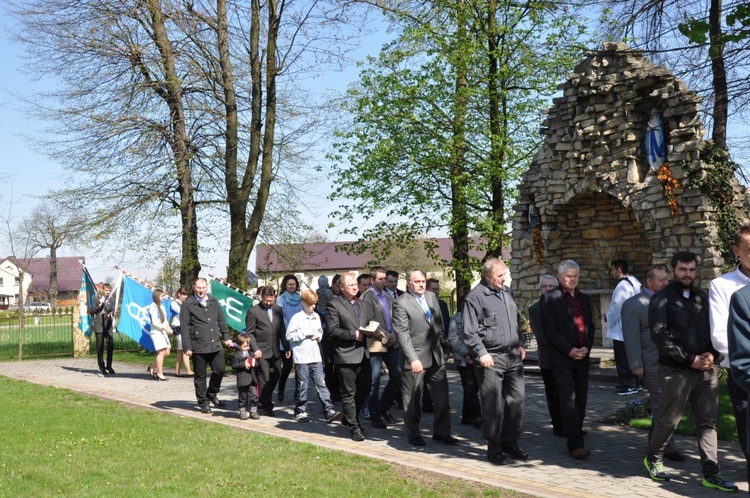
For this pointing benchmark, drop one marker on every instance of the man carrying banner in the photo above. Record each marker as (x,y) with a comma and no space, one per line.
(203,327)
(102,312)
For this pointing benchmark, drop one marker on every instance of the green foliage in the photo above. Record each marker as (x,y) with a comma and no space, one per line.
(738,21)
(446,118)
(716,183)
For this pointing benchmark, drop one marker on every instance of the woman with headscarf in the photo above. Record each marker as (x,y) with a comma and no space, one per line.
(291,302)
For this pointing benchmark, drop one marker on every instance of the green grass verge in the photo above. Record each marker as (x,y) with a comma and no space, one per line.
(726,427)
(60,443)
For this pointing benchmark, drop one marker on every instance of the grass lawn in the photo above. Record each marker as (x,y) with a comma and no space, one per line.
(43,335)
(726,426)
(60,443)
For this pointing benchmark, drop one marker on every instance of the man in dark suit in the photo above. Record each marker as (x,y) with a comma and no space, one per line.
(345,318)
(391,284)
(264,324)
(418,323)
(568,327)
(377,306)
(546,284)
(203,327)
(102,312)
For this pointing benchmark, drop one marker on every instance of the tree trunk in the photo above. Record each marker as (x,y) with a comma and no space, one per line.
(497,138)
(53,276)
(179,142)
(459,217)
(719,76)
(244,232)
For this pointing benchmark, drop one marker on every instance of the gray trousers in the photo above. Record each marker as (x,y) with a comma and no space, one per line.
(436,382)
(503,393)
(681,385)
(652,382)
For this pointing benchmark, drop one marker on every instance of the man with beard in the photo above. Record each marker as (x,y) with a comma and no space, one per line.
(678,319)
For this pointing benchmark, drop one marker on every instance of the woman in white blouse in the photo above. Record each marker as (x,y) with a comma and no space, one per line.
(160,332)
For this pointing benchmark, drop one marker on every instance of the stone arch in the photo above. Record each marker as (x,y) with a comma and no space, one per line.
(588,194)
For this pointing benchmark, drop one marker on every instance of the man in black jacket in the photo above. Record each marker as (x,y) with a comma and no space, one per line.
(568,326)
(678,318)
(264,324)
(203,326)
(102,313)
(344,318)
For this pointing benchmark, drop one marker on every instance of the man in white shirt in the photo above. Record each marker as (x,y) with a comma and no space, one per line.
(627,287)
(719,294)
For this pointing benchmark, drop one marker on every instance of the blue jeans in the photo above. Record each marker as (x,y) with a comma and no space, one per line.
(304,373)
(376,402)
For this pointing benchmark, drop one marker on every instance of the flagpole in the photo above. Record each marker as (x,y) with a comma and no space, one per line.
(233,287)
(142,282)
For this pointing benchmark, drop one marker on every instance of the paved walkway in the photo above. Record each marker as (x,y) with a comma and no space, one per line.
(613,469)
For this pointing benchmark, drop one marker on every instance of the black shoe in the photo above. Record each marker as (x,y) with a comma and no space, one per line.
(675,456)
(332,417)
(447,438)
(416,440)
(497,460)
(205,408)
(280,397)
(378,424)
(387,417)
(103,370)
(111,370)
(269,413)
(357,435)
(515,452)
(217,402)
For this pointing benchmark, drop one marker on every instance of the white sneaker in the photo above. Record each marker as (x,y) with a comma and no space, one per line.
(302,417)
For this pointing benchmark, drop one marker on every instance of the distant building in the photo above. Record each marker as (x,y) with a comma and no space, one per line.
(10,282)
(36,279)
(309,261)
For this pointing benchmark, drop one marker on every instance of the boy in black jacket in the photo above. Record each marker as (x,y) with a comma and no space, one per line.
(242,364)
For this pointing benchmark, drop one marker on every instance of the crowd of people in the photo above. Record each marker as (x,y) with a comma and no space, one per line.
(668,337)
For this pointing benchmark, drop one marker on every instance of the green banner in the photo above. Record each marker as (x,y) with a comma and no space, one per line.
(233,303)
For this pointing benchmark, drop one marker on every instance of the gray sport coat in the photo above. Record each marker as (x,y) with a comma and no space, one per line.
(418,338)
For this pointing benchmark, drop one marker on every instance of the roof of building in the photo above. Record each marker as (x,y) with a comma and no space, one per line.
(323,256)
(69,273)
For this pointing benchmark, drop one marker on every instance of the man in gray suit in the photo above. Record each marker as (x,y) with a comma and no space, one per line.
(643,357)
(418,324)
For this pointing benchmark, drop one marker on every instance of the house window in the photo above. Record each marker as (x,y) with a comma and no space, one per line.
(17,281)
(1,281)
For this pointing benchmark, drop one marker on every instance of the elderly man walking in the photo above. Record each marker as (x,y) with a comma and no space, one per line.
(491,334)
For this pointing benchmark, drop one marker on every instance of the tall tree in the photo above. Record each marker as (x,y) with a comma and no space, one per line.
(447,116)
(171,108)
(49,227)
(692,37)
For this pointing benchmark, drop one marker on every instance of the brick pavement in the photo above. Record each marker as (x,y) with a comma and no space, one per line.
(614,468)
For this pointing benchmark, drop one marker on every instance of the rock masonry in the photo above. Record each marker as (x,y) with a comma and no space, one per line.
(588,192)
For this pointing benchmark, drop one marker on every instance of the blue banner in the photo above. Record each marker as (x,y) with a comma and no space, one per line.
(86,301)
(134,318)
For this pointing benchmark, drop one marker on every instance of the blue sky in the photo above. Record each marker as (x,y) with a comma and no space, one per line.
(28,173)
